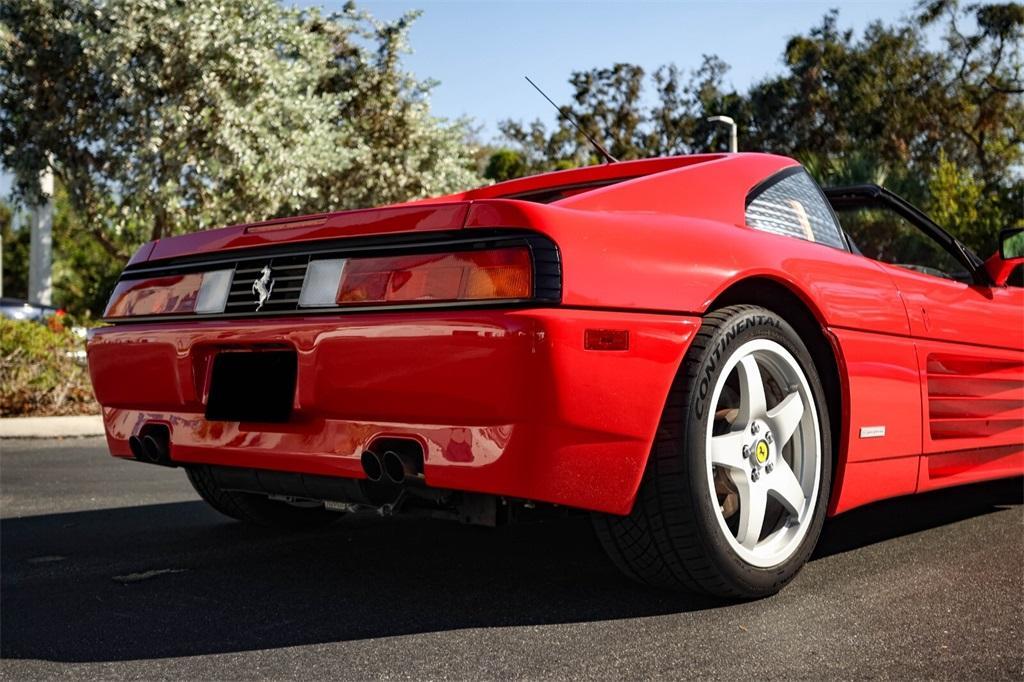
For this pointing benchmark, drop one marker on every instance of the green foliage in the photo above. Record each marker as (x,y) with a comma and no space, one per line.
(505,164)
(1013,246)
(160,117)
(402,152)
(943,127)
(885,236)
(41,371)
(959,202)
(84,274)
(15,244)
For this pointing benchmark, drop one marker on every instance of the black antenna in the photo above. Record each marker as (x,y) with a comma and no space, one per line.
(608,158)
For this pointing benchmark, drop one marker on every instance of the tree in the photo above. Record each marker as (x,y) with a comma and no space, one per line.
(540,151)
(678,121)
(960,202)
(83,273)
(505,164)
(940,126)
(163,116)
(912,112)
(15,254)
(405,152)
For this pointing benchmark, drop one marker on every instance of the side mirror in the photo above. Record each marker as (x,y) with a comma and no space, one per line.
(1008,257)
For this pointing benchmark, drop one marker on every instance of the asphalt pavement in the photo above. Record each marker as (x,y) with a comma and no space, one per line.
(116,570)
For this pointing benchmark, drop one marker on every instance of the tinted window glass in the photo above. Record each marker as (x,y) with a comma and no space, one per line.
(886,236)
(794,206)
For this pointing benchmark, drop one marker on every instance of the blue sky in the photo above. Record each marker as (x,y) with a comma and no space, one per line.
(479,51)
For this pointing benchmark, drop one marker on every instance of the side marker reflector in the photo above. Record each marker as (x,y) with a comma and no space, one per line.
(606,339)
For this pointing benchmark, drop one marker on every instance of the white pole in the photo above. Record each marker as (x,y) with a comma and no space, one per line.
(733,137)
(40,263)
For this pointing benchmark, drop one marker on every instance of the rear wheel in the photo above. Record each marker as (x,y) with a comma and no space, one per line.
(254,509)
(734,494)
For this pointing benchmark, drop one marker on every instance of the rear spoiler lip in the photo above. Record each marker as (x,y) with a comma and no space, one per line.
(317,227)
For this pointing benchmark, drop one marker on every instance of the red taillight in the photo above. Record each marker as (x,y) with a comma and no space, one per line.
(461,276)
(196,292)
(174,294)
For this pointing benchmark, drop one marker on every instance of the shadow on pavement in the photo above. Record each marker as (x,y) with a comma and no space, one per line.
(222,587)
(906,515)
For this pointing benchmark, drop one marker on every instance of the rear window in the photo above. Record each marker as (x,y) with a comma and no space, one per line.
(790,203)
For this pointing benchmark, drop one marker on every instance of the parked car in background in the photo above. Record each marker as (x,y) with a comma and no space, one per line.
(19,309)
(695,349)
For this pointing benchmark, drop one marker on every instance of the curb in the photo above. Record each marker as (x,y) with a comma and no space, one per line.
(51,427)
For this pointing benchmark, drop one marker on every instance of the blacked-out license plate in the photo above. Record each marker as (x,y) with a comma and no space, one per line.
(252,386)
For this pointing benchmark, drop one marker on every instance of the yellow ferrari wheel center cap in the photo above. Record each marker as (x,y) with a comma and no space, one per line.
(761,451)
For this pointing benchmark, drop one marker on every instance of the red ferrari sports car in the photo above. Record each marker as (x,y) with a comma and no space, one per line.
(709,353)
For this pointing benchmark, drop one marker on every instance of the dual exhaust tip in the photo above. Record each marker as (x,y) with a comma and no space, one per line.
(393,467)
(152,446)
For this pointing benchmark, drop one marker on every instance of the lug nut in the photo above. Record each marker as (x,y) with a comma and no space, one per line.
(768,468)
(754,428)
(746,451)
(768,437)
(754,475)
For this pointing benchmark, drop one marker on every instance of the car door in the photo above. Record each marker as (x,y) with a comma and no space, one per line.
(968,334)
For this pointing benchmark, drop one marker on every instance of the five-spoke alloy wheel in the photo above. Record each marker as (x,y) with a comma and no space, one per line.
(736,486)
(764,464)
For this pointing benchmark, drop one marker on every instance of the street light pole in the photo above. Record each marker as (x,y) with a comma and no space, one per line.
(40,260)
(733,138)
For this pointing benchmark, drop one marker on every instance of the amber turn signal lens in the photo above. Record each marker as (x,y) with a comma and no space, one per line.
(460,276)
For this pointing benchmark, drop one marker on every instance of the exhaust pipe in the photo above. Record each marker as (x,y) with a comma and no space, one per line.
(152,445)
(153,449)
(372,466)
(402,467)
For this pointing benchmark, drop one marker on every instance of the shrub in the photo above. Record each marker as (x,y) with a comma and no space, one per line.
(42,371)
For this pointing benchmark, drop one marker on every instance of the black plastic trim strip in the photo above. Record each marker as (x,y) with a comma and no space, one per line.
(347,310)
(769,182)
(511,304)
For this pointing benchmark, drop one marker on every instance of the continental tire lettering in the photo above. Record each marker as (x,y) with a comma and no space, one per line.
(727,337)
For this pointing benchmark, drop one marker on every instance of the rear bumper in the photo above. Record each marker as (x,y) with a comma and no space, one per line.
(506,402)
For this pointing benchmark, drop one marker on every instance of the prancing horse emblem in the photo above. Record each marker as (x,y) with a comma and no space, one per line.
(761,451)
(262,287)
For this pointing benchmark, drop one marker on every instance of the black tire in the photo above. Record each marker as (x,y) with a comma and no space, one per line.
(672,538)
(258,510)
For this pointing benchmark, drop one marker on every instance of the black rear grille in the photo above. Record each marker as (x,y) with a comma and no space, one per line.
(287,273)
(288,264)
